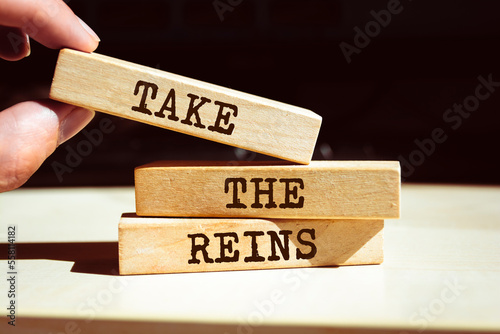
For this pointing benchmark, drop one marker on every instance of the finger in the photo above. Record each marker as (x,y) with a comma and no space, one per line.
(50,22)
(30,132)
(14,44)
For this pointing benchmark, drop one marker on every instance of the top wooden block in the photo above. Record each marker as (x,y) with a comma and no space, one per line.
(185,105)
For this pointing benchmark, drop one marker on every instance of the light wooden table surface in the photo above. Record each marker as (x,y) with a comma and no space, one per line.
(441,273)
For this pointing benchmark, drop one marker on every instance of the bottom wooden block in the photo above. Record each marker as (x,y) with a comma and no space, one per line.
(170,245)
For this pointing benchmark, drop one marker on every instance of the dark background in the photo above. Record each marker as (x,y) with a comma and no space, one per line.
(394,92)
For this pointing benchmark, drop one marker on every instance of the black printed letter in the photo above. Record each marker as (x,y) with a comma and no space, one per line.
(203,248)
(194,110)
(236,201)
(229,246)
(255,252)
(284,248)
(270,204)
(313,251)
(225,118)
(170,97)
(292,192)
(143,107)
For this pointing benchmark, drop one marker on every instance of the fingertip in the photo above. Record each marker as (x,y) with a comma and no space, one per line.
(87,40)
(14,44)
(89,30)
(30,132)
(50,22)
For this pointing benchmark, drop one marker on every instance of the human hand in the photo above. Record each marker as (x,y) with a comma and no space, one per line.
(31,131)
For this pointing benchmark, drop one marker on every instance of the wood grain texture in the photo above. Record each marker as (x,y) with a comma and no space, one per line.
(185,105)
(168,245)
(322,189)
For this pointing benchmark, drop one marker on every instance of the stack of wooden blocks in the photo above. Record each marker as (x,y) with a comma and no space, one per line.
(194,216)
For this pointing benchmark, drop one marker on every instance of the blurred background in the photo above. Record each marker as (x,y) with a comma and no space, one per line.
(382,74)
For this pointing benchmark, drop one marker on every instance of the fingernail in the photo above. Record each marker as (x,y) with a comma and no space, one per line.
(89,30)
(73,123)
(28,46)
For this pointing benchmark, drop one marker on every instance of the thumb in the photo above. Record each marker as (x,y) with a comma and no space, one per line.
(30,132)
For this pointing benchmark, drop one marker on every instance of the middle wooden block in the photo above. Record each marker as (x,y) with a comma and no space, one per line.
(322,189)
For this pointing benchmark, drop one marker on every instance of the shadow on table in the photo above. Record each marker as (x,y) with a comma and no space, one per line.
(89,257)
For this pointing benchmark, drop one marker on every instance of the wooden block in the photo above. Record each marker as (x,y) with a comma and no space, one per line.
(185,105)
(322,189)
(170,245)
